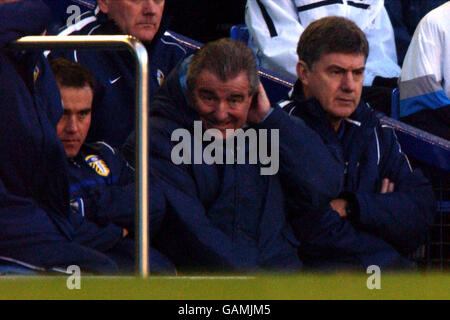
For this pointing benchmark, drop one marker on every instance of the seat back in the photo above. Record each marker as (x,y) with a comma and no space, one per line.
(239,32)
(395,104)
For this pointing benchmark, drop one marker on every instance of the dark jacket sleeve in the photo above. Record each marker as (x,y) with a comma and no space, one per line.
(402,35)
(312,182)
(113,203)
(116,204)
(89,234)
(329,241)
(22,18)
(404,216)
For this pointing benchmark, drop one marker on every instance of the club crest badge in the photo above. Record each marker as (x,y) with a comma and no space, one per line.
(98,165)
(35,73)
(160,77)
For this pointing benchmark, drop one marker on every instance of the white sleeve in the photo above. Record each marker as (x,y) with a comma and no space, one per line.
(382,59)
(422,82)
(274,33)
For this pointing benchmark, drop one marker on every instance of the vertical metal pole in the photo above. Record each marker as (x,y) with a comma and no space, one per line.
(142,158)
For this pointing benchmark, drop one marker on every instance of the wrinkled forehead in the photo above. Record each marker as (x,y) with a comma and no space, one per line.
(208,80)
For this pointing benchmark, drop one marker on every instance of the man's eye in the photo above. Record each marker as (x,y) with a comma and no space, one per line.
(235,100)
(83,115)
(207,98)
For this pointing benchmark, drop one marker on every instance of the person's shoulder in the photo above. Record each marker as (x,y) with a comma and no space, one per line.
(366,117)
(100,148)
(436,19)
(287,105)
(170,42)
(87,23)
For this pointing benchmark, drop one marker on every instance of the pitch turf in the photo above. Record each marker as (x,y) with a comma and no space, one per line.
(302,286)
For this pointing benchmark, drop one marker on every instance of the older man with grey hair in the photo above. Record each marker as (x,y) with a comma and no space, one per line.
(113,106)
(211,127)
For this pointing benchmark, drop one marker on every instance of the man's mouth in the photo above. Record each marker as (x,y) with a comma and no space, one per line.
(70,141)
(219,126)
(345,100)
(146,24)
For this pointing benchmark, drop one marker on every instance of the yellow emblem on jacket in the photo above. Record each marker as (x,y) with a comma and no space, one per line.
(97,164)
(35,73)
(160,77)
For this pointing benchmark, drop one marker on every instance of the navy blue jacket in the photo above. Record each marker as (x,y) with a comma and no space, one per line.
(36,223)
(229,217)
(113,115)
(383,228)
(102,185)
(102,191)
(102,188)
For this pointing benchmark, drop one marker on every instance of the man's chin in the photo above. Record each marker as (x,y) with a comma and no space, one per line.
(344,110)
(220,134)
(145,35)
(71,152)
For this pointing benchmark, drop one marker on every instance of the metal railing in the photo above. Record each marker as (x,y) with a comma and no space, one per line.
(140,54)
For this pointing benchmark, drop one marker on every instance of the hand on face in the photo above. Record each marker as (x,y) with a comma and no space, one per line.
(260,106)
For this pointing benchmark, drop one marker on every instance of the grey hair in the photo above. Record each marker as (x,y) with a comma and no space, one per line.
(225,58)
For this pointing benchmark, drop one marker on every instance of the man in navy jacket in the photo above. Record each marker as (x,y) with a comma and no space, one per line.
(36,223)
(384,208)
(225,212)
(113,116)
(101,181)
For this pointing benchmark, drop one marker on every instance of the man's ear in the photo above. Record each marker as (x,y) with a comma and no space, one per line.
(103,5)
(302,72)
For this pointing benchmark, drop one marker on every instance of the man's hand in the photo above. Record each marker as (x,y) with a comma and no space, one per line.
(124,232)
(339,205)
(387,186)
(260,106)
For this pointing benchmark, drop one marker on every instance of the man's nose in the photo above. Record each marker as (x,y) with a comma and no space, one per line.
(348,83)
(221,112)
(71,125)
(149,7)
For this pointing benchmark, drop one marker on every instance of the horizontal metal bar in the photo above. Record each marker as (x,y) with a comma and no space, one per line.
(76,42)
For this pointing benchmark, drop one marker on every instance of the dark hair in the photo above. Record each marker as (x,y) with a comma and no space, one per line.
(329,35)
(71,74)
(225,58)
